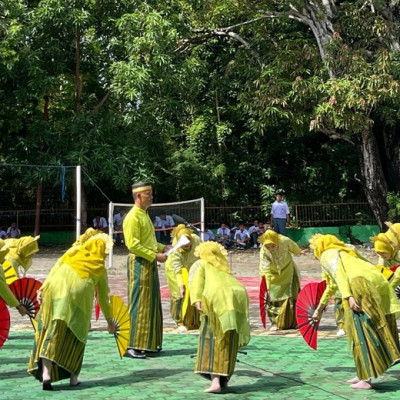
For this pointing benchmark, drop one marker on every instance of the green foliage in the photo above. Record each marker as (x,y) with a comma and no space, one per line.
(393,200)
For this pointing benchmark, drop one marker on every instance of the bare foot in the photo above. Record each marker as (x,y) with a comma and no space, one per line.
(273,328)
(73,381)
(354,380)
(213,389)
(366,385)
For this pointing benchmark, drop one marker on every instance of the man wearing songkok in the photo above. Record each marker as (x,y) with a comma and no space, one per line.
(144,296)
(66,297)
(181,260)
(5,293)
(282,278)
(370,307)
(224,306)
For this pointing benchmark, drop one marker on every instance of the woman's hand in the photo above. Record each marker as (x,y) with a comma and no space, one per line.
(39,296)
(182,291)
(110,326)
(353,304)
(318,312)
(198,306)
(22,310)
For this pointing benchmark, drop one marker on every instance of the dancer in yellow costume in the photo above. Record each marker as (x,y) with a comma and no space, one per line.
(5,293)
(224,306)
(370,307)
(67,301)
(282,278)
(21,253)
(182,259)
(144,295)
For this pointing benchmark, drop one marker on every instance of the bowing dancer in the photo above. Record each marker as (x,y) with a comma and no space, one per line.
(144,297)
(180,259)
(370,307)
(282,278)
(66,307)
(224,306)
(5,293)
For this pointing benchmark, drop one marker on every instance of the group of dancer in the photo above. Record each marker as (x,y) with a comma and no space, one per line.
(206,296)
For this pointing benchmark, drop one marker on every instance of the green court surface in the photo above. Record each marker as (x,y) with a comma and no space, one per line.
(274,368)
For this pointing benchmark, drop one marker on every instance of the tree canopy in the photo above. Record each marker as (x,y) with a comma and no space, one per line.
(229,99)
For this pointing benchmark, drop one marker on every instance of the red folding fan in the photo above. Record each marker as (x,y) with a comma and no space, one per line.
(264,301)
(4,322)
(24,290)
(307,302)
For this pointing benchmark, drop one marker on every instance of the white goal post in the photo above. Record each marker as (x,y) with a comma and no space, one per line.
(190,211)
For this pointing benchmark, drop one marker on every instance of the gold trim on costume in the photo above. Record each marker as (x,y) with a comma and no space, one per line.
(141,189)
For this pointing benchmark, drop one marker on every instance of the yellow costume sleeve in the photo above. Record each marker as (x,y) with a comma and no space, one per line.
(331,288)
(196,284)
(139,235)
(294,248)
(265,263)
(5,291)
(103,296)
(395,281)
(177,265)
(343,281)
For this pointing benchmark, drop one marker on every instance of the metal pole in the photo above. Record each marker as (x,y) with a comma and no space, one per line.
(78,200)
(202,218)
(110,231)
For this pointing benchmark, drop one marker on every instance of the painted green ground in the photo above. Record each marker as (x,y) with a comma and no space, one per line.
(273,368)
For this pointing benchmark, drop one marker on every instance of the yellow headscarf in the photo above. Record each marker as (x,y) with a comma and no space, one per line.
(383,245)
(269,237)
(87,258)
(3,250)
(393,233)
(22,250)
(214,254)
(320,243)
(179,231)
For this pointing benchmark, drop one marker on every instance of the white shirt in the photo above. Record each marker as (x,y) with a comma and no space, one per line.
(101,224)
(13,233)
(242,235)
(164,223)
(118,219)
(208,235)
(225,231)
(3,234)
(280,209)
(254,228)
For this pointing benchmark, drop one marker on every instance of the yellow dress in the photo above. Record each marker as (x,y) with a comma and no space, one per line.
(372,332)
(225,318)
(178,260)
(5,293)
(283,282)
(67,301)
(144,298)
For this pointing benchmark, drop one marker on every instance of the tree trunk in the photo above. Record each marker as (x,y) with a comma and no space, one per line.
(372,176)
(39,193)
(391,148)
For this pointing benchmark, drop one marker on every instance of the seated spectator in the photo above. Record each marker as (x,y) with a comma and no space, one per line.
(118,220)
(242,237)
(223,236)
(162,222)
(3,233)
(13,232)
(208,234)
(100,223)
(254,233)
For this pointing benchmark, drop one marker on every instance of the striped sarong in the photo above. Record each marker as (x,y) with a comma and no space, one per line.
(192,316)
(214,356)
(373,334)
(144,304)
(59,345)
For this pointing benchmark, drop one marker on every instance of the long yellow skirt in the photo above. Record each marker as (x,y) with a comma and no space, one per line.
(192,316)
(216,357)
(59,345)
(373,334)
(144,300)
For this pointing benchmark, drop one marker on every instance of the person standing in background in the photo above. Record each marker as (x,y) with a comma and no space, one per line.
(280,215)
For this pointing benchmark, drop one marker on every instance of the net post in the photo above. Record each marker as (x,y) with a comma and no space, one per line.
(110,231)
(202,212)
(78,200)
